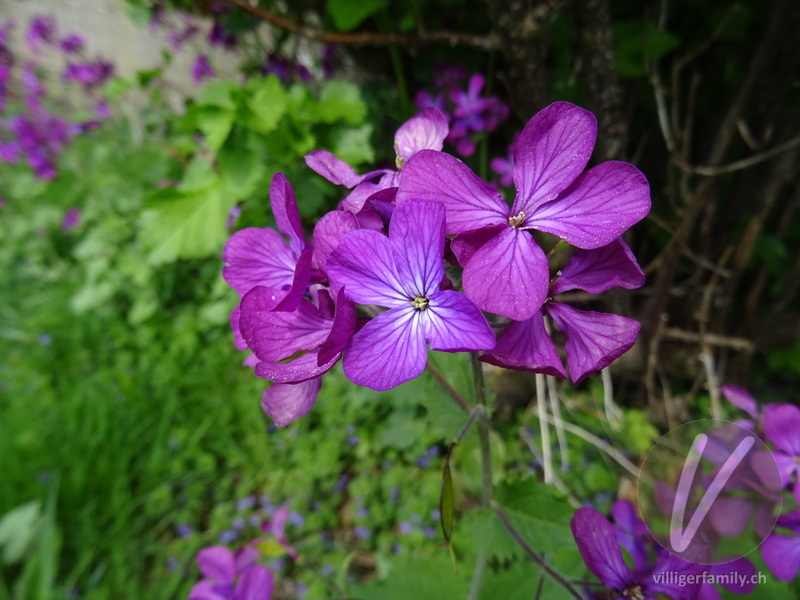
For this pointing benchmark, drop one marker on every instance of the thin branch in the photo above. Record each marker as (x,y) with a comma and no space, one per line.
(740,164)
(541,399)
(453,38)
(712,339)
(437,374)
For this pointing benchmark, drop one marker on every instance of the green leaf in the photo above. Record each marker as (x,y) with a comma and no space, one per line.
(637,43)
(420,578)
(219,93)
(346,14)
(267,102)
(341,100)
(241,172)
(638,432)
(354,146)
(18,530)
(215,123)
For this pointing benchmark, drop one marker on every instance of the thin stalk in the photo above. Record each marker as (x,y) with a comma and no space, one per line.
(547,454)
(555,408)
(437,374)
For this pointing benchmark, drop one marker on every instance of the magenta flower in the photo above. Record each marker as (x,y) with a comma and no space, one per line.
(71,219)
(594,339)
(202,69)
(508,272)
(781,553)
(597,543)
(403,273)
(782,428)
(40,31)
(231,577)
(72,44)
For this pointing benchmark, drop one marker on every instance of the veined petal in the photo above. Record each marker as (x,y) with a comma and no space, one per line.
(426,131)
(389,350)
(508,275)
(300,280)
(328,232)
(596,271)
(364,263)
(333,169)
(470,202)
(741,399)
(594,340)
(284,403)
(782,427)
(255,583)
(525,346)
(257,257)
(343,328)
(416,235)
(284,208)
(597,208)
(276,335)
(598,546)
(550,153)
(454,324)
(781,554)
(302,368)
(464,245)
(217,563)
(355,200)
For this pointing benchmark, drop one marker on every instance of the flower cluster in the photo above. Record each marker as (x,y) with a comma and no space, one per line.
(466,110)
(376,285)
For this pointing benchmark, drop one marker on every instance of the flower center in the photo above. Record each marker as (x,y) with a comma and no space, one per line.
(399,162)
(633,592)
(420,303)
(517,221)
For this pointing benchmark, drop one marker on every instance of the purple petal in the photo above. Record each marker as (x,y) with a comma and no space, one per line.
(258,257)
(364,264)
(384,208)
(597,543)
(765,464)
(730,515)
(328,232)
(244,557)
(781,554)
(426,131)
(416,235)
(596,271)
(470,202)
(782,427)
(343,328)
(508,275)
(389,350)
(670,577)
(238,338)
(333,169)
(743,575)
(525,346)
(550,153)
(302,368)
(594,340)
(217,563)
(741,399)
(284,208)
(284,403)
(464,245)
(276,335)
(454,324)
(302,276)
(597,208)
(355,200)
(790,521)
(254,584)
(205,590)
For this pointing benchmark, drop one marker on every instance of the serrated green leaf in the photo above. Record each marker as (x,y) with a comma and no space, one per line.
(18,530)
(341,100)
(219,93)
(215,124)
(346,14)
(354,146)
(267,102)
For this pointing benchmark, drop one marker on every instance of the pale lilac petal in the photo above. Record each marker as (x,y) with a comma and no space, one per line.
(508,275)
(782,427)
(729,515)
(454,324)
(217,563)
(471,203)
(741,567)
(781,554)
(302,276)
(741,399)
(258,257)
(525,346)
(276,335)
(765,464)
(416,235)
(426,131)
(550,153)
(328,232)
(255,583)
(284,208)
(343,328)
(205,590)
(355,200)
(672,585)
(238,338)
(596,271)
(597,208)
(284,403)
(389,350)
(364,264)
(464,245)
(333,169)
(250,361)
(594,340)
(244,557)
(384,208)
(302,368)
(598,546)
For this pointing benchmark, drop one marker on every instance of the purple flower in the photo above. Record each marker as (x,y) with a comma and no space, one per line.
(737,576)
(71,219)
(508,272)
(362,532)
(219,36)
(183,530)
(597,543)
(245,503)
(403,272)
(40,32)
(781,553)
(276,525)
(202,68)
(781,424)
(72,44)
(90,74)
(594,339)
(231,577)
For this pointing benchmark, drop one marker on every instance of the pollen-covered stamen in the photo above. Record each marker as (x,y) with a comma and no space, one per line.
(633,592)
(517,221)
(420,303)
(399,162)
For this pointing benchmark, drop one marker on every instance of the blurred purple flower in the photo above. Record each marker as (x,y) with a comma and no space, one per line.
(71,219)
(202,69)
(229,576)
(72,44)
(40,31)
(183,530)
(362,532)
